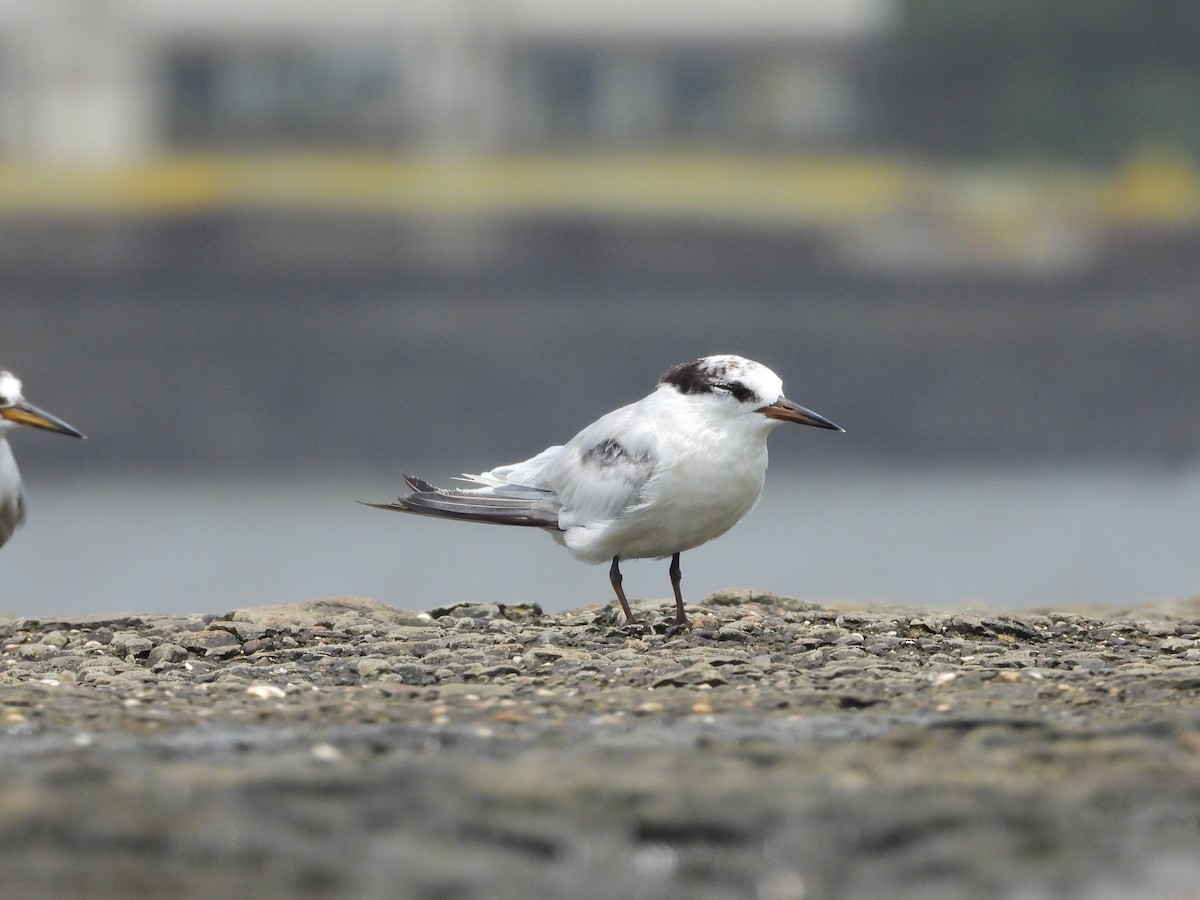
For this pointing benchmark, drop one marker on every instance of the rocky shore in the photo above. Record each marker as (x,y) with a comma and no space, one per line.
(777,750)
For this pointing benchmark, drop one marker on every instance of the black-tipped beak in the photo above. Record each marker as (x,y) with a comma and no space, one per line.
(785,410)
(27,414)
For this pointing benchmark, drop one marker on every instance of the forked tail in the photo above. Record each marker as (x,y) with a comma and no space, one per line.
(493,505)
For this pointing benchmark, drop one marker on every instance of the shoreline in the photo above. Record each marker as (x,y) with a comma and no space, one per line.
(779,749)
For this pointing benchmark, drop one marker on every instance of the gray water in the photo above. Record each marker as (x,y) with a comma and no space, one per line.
(1005,538)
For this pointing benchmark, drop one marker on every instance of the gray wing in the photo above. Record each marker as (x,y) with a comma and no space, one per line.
(598,475)
(528,474)
(602,472)
(494,505)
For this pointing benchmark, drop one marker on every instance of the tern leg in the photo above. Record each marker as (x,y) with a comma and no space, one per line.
(676,577)
(614,575)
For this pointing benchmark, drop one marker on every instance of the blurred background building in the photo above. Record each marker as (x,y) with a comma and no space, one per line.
(114,81)
(261,247)
(838,120)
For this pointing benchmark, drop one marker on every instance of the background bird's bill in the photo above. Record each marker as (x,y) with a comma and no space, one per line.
(785,410)
(27,414)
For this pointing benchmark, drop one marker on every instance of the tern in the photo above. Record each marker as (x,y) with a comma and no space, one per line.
(14,411)
(668,473)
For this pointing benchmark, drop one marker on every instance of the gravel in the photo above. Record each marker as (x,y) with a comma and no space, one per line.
(777,750)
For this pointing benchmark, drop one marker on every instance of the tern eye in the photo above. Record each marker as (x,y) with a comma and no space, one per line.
(738,391)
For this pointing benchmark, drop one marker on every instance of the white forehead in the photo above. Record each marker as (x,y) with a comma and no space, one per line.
(755,376)
(10,388)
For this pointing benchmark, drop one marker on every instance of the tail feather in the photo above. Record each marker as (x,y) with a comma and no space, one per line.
(500,505)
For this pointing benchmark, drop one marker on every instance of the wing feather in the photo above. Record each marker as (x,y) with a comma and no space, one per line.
(597,476)
(602,472)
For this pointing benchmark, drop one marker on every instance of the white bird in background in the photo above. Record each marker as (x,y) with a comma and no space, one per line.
(649,480)
(15,411)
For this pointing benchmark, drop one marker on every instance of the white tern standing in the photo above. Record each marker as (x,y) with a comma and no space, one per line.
(665,474)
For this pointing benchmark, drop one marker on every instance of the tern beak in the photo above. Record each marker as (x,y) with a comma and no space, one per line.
(27,414)
(785,410)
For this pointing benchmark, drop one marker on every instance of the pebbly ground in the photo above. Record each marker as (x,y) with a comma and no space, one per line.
(778,750)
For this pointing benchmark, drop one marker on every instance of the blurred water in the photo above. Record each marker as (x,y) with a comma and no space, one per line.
(1005,538)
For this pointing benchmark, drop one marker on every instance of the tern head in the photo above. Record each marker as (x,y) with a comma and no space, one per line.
(738,386)
(15,410)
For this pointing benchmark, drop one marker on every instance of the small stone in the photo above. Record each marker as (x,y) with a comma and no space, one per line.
(468,611)
(133,674)
(1158,629)
(520,612)
(204,641)
(495,672)
(843,653)
(735,631)
(693,676)
(325,753)
(264,691)
(368,666)
(971,624)
(166,653)
(1176,645)
(129,643)
(37,652)
(1083,661)
(245,631)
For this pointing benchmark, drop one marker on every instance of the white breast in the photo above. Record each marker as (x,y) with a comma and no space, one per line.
(12,495)
(705,481)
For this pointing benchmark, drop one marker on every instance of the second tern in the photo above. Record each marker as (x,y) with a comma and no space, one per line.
(14,411)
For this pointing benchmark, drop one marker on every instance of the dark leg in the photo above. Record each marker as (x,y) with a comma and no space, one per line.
(676,577)
(614,575)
